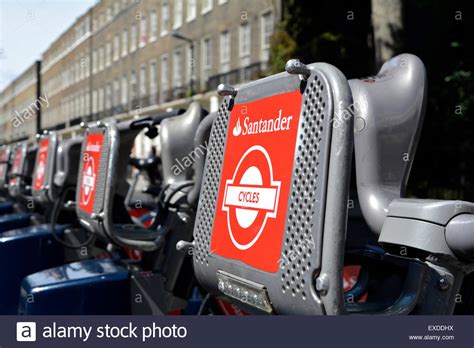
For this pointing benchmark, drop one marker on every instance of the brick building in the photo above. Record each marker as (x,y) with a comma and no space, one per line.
(125,57)
(20,105)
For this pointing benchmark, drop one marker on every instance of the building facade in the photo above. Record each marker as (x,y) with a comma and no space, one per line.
(21,103)
(125,57)
(65,76)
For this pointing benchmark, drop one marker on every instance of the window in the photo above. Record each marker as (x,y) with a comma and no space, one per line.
(82,104)
(116,94)
(164,77)
(165,17)
(124,43)
(133,38)
(84,65)
(63,79)
(80,71)
(101,100)
(206,6)
(206,59)
(108,97)
(152,83)
(116,47)
(224,51)
(266,28)
(77,72)
(94,62)
(125,91)
(143,32)
(142,81)
(70,106)
(133,87)
(191,10)
(178,14)
(64,106)
(88,101)
(116,8)
(108,54)
(77,106)
(101,58)
(109,14)
(244,45)
(190,63)
(73,106)
(177,69)
(221,2)
(71,75)
(153,25)
(94,102)
(87,25)
(244,40)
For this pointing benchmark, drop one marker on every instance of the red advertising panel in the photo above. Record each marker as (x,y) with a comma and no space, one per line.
(90,171)
(40,168)
(17,159)
(3,162)
(3,154)
(256,177)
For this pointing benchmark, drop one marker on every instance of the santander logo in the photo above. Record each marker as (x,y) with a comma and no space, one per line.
(277,123)
(237,129)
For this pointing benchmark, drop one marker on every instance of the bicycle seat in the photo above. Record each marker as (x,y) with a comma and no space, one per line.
(431,240)
(177,144)
(388,113)
(67,162)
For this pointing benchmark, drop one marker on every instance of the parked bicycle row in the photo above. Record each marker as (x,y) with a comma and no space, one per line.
(259,217)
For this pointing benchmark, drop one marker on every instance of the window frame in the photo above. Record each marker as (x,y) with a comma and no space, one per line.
(177,68)
(191,15)
(207,6)
(265,48)
(165,24)
(178,24)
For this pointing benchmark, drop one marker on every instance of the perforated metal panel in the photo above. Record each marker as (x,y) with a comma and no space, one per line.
(305,212)
(102,178)
(210,184)
(291,288)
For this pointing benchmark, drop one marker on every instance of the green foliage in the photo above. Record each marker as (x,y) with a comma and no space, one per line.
(320,31)
(283,48)
(341,33)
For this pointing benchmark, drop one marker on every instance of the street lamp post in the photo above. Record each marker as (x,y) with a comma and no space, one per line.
(179,36)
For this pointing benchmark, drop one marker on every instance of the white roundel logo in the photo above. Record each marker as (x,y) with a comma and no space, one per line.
(251,197)
(88,180)
(41,166)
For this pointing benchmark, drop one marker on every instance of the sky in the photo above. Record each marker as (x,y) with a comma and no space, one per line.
(28,27)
